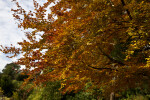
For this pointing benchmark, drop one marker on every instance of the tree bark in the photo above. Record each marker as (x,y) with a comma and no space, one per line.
(112,96)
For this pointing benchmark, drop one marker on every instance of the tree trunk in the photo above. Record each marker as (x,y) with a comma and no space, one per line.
(112,96)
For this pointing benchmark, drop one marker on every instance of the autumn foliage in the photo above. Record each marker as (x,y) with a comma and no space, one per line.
(106,42)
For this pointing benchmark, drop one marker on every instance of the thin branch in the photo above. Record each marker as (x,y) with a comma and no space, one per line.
(111,3)
(123,3)
(104,68)
(99,68)
(128,12)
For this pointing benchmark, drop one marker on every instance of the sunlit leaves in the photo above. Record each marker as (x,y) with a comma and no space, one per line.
(102,41)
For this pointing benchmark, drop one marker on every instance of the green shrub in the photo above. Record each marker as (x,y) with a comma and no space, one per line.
(21,93)
(36,94)
(7,85)
(51,91)
(139,93)
(15,96)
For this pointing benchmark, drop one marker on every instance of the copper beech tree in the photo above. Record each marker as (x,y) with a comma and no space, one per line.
(106,42)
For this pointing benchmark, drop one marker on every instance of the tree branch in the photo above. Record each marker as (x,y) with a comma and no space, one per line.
(104,68)
(128,12)
(99,68)
(110,58)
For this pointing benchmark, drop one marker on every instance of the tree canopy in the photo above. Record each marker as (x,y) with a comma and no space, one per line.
(102,41)
(11,70)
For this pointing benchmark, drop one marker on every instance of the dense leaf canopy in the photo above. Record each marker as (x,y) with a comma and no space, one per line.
(106,42)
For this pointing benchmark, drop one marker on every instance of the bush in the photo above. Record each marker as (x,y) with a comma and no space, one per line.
(51,92)
(7,85)
(15,96)
(21,93)
(139,93)
(36,94)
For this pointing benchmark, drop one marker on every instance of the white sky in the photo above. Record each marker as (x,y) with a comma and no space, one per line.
(9,31)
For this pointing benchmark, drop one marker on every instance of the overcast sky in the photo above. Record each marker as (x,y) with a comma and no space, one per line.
(9,31)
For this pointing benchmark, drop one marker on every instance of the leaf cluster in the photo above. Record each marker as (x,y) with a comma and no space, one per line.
(103,41)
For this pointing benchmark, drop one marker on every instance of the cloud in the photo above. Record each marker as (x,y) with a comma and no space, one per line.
(9,31)
(3,61)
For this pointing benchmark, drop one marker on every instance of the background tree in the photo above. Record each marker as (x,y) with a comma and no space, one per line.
(9,73)
(103,41)
(10,80)
(11,70)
